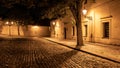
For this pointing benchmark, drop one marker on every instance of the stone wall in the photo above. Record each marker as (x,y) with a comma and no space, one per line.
(39,31)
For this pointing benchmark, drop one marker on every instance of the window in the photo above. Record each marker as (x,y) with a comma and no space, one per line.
(73,30)
(85,30)
(106,29)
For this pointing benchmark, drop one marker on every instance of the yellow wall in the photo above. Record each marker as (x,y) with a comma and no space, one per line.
(57,29)
(101,12)
(26,30)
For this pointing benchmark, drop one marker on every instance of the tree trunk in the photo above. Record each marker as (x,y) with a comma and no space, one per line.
(79,32)
(18,30)
(76,11)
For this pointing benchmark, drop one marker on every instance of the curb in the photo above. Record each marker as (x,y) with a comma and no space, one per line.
(85,52)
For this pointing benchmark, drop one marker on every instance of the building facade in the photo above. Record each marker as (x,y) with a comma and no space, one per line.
(100,24)
(64,28)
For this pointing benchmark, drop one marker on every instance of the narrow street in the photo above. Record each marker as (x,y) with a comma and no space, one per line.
(41,53)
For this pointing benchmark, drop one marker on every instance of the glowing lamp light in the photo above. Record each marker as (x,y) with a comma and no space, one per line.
(7,22)
(11,22)
(84,11)
(53,23)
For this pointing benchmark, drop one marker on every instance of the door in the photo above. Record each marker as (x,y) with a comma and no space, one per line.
(64,33)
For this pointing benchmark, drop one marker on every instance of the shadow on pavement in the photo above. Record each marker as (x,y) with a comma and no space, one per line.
(55,61)
(58,60)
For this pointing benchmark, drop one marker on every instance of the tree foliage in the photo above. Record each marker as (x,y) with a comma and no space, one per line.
(37,8)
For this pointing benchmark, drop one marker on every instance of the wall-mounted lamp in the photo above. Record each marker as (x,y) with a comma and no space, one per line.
(7,23)
(53,23)
(84,11)
(12,22)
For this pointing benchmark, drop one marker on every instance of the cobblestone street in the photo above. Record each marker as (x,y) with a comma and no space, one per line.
(40,53)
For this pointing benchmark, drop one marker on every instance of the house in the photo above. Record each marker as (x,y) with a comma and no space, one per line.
(100,24)
(64,28)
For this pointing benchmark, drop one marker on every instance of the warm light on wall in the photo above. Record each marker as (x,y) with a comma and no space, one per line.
(57,24)
(35,27)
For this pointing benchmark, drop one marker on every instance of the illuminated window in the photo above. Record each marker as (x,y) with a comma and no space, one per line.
(106,30)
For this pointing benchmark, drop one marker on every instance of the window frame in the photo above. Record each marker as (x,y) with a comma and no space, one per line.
(103,20)
(86,30)
(106,33)
(73,30)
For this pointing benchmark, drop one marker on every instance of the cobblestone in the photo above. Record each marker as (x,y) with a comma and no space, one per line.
(40,53)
